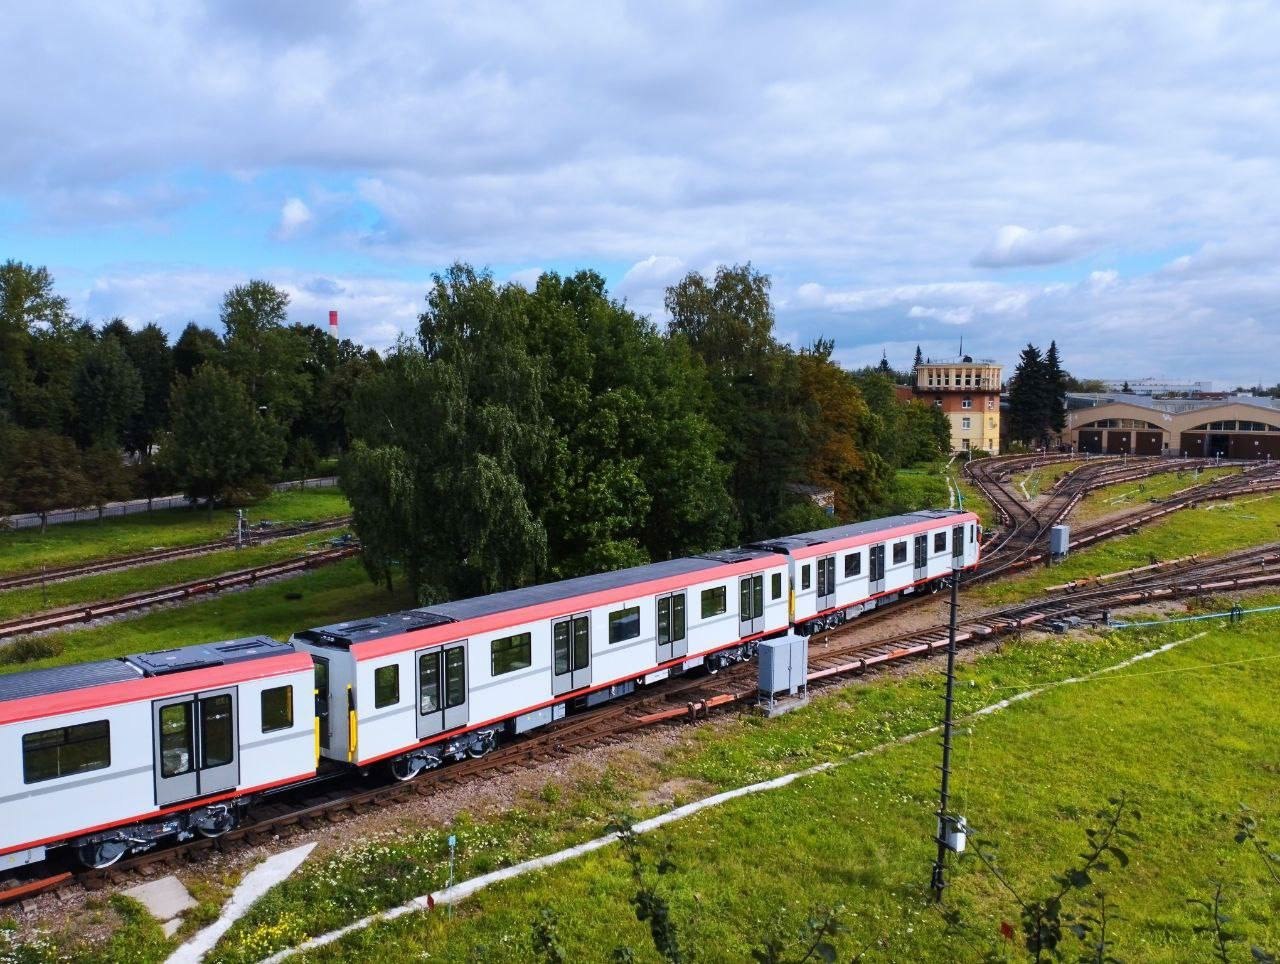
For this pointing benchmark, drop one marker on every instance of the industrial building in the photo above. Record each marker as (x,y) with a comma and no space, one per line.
(968,393)
(1236,427)
(1157,386)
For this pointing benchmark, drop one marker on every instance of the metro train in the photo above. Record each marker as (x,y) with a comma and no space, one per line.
(111,757)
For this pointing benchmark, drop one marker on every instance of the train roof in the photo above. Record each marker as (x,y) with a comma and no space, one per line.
(820,536)
(63,679)
(351,632)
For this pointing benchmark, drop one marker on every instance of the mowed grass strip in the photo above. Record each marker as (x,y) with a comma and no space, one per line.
(1208,529)
(412,859)
(1029,778)
(334,593)
(110,585)
(24,550)
(1129,495)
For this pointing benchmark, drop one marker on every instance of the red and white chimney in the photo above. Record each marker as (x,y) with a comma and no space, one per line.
(333,322)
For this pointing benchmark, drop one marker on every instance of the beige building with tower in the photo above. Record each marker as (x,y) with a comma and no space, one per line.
(968,393)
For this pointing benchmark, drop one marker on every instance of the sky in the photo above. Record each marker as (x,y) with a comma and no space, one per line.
(1105,174)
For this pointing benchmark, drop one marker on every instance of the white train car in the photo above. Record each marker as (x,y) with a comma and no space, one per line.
(840,572)
(416,687)
(109,757)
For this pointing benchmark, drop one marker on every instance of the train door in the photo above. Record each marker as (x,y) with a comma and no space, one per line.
(195,745)
(673,638)
(570,654)
(957,547)
(751,605)
(826,583)
(876,567)
(920,557)
(442,689)
(322,699)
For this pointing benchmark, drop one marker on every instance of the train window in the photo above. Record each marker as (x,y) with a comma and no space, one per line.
(510,653)
(624,624)
(386,686)
(805,576)
(940,541)
(714,601)
(899,552)
(177,741)
(217,732)
(65,750)
(776,586)
(455,677)
(853,564)
(973,533)
(277,709)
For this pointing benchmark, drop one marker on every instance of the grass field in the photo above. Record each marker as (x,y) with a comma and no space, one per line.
(1209,529)
(26,549)
(19,602)
(1028,778)
(1129,495)
(340,591)
(1041,480)
(972,498)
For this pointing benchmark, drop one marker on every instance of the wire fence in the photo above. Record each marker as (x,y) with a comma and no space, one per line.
(30,520)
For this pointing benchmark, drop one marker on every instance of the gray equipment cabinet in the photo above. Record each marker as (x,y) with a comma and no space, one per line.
(784,671)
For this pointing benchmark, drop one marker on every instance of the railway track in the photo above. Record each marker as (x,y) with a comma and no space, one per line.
(335,799)
(257,537)
(71,615)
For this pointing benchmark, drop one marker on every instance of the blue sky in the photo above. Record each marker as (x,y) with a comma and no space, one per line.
(1100,173)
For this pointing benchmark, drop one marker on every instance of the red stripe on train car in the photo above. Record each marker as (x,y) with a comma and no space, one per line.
(448,632)
(874,538)
(150,687)
(563,698)
(152,814)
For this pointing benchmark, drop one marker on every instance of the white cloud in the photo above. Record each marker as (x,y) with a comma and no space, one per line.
(948,316)
(526,278)
(294,216)
(1016,246)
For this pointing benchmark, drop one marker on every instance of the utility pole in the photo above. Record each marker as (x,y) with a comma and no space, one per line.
(945,823)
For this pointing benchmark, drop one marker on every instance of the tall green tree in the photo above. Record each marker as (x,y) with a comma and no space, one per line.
(1055,391)
(43,474)
(27,300)
(148,349)
(728,323)
(107,478)
(219,445)
(196,346)
(107,391)
(265,355)
(1029,397)
(450,439)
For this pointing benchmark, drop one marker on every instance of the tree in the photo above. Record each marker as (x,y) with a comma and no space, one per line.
(151,355)
(448,441)
(919,359)
(27,299)
(303,458)
(1126,389)
(107,478)
(728,324)
(43,474)
(219,444)
(262,352)
(1028,398)
(1055,391)
(108,394)
(196,346)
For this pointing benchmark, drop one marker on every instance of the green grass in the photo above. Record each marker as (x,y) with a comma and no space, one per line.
(1210,529)
(22,550)
(1041,479)
(109,585)
(337,592)
(919,488)
(860,836)
(971,497)
(1128,495)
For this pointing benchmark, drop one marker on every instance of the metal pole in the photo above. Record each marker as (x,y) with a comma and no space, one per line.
(939,867)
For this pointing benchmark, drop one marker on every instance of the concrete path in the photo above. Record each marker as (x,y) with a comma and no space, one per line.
(165,899)
(256,883)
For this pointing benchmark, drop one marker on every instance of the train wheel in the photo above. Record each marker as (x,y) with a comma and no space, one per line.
(217,826)
(101,854)
(406,768)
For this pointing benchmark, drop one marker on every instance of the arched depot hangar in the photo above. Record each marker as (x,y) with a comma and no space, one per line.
(1237,427)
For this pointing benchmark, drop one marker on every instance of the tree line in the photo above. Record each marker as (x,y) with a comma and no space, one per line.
(522,435)
(90,414)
